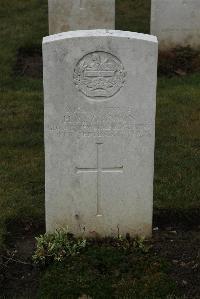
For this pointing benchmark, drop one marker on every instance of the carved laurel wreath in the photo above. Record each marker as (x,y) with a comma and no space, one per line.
(99,74)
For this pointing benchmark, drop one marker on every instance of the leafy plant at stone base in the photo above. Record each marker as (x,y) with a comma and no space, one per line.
(56,246)
(139,243)
(142,244)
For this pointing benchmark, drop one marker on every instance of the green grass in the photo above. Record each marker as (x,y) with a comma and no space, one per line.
(23,24)
(21,151)
(177,156)
(133,15)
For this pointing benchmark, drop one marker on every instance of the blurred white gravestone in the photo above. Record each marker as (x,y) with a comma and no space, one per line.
(67,15)
(100,100)
(176,23)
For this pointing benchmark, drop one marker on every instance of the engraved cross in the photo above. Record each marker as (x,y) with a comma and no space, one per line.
(99,170)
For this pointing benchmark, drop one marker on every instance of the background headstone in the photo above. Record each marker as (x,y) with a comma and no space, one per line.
(67,15)
(100,100)
(176,23)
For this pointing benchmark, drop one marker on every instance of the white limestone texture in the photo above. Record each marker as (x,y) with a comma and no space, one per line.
(99,110)
(67,15)
(176,23)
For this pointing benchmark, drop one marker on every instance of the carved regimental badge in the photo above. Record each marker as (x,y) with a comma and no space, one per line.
(99,74)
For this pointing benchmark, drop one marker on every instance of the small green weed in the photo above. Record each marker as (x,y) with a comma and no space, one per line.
(57,246)
(139,243)
(142,244)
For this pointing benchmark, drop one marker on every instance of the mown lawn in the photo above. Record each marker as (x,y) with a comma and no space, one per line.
(177,157)
(23,23)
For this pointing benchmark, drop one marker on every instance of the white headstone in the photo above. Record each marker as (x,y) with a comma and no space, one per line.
(67,15)
(176,23)
(99,101)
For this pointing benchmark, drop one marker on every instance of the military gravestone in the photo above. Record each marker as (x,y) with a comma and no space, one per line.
(176,23)
(100,100)
(67,15)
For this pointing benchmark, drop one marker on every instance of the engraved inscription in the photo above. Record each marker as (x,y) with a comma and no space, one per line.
(99,170)
(99,75)
(108,122)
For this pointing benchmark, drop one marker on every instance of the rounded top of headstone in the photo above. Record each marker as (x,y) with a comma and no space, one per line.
(99,33)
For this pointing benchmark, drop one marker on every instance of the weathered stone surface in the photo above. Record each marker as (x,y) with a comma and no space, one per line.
(100,99)
(67,15)
(176,23)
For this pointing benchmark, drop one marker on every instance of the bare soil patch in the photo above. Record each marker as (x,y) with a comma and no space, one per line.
(29,62)
(182,249)
(183,219)
(178,61)
(20,277)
